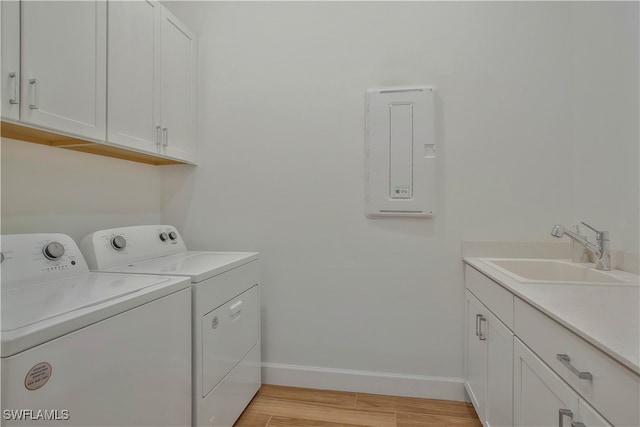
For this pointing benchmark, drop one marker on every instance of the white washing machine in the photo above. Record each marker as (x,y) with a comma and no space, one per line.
(90,349)
(226,310)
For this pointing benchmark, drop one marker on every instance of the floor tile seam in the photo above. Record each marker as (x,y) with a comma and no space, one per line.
(330,405)
(457,417)
(421,411)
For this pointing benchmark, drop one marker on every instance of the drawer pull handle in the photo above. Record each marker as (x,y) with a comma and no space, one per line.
(577,424)
(564,413)
(566,361)
(481,334)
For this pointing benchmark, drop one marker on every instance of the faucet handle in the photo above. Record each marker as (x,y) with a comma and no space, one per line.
(588,226)
(599,234)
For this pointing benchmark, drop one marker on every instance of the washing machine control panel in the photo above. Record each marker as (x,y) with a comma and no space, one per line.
(110,248)
(32,258)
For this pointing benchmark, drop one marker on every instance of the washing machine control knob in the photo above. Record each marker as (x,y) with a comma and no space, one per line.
(118,243)
(173,235)
(163,236)
(53,251)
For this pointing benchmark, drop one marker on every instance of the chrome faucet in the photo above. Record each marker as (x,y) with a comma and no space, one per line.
(600,250)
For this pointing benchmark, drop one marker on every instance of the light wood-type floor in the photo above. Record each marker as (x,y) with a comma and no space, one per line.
(278,406)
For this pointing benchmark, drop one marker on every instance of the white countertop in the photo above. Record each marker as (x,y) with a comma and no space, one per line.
(607,316)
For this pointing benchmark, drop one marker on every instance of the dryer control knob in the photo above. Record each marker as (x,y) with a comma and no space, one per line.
(53,251)
(118,243)
(163,236)
(173,235)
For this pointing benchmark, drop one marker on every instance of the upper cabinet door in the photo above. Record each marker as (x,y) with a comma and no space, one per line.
(134,74)
(10,51)
(64,66)
(178,88)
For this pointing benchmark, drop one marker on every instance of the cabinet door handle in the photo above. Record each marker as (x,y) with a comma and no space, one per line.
(577,424)
(14,77)
(566,361)
(481,334)
(564,413)
(165,132)
(34,94)
(478,316)
(158,135)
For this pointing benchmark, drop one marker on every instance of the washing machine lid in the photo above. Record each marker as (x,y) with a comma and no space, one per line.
(198,265)
(35,313)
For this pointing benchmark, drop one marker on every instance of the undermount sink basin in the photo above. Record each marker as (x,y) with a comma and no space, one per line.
(547,270)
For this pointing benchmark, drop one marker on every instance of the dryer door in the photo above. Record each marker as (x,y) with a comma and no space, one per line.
(228,333)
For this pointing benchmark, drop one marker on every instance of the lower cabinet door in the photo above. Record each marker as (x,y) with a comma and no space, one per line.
(590,417)
(475,356)
(540,397)
(499,376)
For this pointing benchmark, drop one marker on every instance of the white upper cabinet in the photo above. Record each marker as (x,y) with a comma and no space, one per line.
(64,66)
(134,74)
(10,39)
(151,80)
(177,75)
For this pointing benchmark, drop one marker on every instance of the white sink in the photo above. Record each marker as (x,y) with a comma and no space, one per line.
(548,270)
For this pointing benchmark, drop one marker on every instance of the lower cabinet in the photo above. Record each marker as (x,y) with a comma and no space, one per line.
(541,398)
(488,364)
(514,374)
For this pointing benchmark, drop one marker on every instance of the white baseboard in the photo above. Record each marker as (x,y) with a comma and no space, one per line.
(364,381)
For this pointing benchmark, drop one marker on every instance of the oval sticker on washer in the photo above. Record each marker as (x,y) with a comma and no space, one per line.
(37,376)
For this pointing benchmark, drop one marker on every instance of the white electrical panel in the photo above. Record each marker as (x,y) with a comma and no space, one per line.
(401,152)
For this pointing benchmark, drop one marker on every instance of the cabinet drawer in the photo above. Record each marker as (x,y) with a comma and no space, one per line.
(614,390)
(493,296)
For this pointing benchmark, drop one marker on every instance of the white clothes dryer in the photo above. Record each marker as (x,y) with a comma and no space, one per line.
(226,310)
(90,349)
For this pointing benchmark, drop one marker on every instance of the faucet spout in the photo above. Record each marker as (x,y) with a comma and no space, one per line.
(600,250)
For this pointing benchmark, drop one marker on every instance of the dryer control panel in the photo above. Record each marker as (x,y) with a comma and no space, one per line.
(33,258)
(113,247)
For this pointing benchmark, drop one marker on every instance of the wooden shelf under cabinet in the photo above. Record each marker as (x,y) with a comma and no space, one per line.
(38,136)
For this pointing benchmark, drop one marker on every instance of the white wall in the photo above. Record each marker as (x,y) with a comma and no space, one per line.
(46,189)
(281,161)
(605,93)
